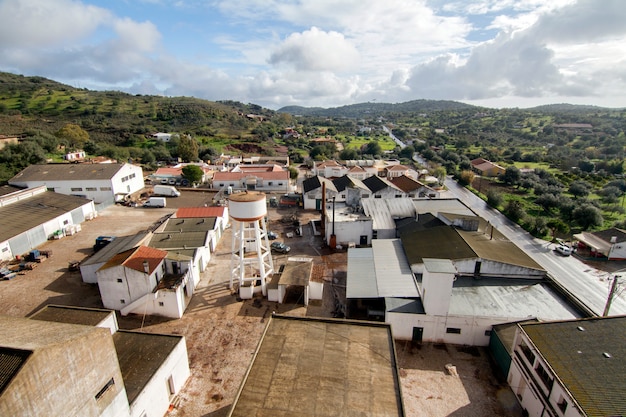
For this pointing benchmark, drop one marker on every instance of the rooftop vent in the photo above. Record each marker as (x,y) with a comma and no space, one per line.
(607,355)
(580,328)
(613,239)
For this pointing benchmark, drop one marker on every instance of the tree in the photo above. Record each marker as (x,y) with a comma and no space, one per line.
(587,216)
(192,173)
(547,201)
(557,226)
(373,148)
(494,198)
(188,149)
(440,173)
(511,175)
(349,154)
(72,135)
(466,178)
(579,188)
(515,211)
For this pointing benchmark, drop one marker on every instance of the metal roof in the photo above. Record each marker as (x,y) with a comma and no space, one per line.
(361,276)
(508,298)
(118,245)
(379,271)
(176,240)
(72,315)
(23,215)
(394,277)
(189,225)
(589,357)
(321,367)
(384,211)
(140,356)
(445,205)
(66,172)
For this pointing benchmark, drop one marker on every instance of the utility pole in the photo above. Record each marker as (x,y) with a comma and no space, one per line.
(611,295)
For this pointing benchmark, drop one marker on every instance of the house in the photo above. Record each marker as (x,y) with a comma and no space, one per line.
(316,190)
(310,366)
(351,190)
(359,172)
(486,168)
(570,368)
(609,243)
(393,171)
(110,372)
(8,140)
(29,217)
(75,156)
(102,183)
(90,266)
(329,169)
(414,188)
(383,188)
(163,137)
(265,178)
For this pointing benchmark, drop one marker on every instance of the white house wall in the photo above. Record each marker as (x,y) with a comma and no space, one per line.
(618,251)
(474,330)
(129,179)
(349,231)
(5,251)
(154,400)
(134,285)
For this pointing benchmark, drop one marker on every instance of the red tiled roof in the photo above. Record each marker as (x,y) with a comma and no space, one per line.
(397,168)
(406,184)
(200,212)
(134,258)
(169,171)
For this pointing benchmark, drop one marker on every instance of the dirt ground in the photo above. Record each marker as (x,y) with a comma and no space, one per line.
(222,331)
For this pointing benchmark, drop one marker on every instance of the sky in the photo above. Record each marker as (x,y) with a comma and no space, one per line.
(326,53)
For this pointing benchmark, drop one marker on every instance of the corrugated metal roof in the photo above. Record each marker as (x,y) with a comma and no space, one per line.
(361,276)
(445,205)
(394,277)
(508,298)
(24,215)
(140,356)
(189,225)
(384,211)
(66,172)
(575,351)
(189,212)
(118,245)
(321,367)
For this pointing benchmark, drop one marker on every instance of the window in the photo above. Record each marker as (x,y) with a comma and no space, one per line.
(66,222)
(91,189)
(105,388)
(120,280)
(527,352)
(161,304)
(487,332)
(378,196)
(398,195)
(453,330)
(562,404)
(76,189)
(122,301)
(544,375)
(269,183)
(105,188)
(50,189)
(343,196)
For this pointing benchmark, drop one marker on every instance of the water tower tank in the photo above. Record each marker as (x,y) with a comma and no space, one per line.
(247,206)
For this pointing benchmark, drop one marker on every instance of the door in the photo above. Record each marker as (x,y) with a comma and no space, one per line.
(418,332)
(363,240)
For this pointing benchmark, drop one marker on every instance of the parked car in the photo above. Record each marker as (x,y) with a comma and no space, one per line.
(272,235)
(563,250)
(280,247)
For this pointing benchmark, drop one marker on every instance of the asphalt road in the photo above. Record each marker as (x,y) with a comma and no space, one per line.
(589,285)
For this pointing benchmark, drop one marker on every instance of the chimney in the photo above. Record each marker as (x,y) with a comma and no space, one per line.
(146,266)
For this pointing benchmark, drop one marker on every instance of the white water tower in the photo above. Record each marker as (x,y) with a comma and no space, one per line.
(251,262)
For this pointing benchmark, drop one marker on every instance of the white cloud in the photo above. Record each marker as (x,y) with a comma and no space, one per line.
(316,50)
(40,23)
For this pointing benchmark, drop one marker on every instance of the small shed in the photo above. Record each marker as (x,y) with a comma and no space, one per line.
(295,278)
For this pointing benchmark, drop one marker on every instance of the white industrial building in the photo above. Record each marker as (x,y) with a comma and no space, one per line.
(30,217)
(102,183)
(108,372)
(349,226)
(574,368)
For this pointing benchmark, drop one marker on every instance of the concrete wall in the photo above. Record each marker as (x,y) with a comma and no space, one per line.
(62,380)
(349,231)
(472,329)
(134,285)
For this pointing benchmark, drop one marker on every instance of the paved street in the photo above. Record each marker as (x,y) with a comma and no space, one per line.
(588,284)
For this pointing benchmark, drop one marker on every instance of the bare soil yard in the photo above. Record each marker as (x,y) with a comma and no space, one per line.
(222,331)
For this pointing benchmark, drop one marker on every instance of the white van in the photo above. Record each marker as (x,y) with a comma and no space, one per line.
(155,202)
(166,191)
